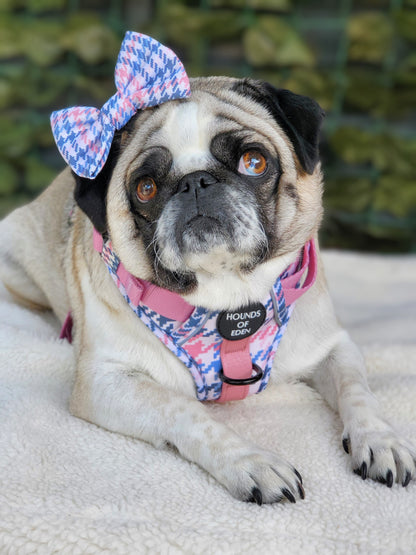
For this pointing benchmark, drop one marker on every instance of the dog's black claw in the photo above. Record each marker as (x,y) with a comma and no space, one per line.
(256,496)
(407,479)
(345,444)
(371,456)
(298,475)
(288,495)
(389,479)
(363,470)
(301,491)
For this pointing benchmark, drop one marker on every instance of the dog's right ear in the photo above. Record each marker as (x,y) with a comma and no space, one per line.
(299,116)
(91,194)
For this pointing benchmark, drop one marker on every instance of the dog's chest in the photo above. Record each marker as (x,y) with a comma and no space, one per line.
(120,335)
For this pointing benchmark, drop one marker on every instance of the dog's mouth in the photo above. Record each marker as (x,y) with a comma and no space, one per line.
(201,219)
(203,232)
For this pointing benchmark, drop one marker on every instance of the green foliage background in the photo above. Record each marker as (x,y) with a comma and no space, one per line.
(358,59)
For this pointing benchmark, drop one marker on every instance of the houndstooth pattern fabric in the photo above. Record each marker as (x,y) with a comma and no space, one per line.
(197,342)
(147,74)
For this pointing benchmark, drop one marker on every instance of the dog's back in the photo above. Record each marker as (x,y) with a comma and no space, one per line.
(33,248)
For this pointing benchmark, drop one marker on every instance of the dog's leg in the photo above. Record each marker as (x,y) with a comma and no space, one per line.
(129,402)
(377,451)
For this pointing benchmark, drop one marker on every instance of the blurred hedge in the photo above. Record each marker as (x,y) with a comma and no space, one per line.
(357,59)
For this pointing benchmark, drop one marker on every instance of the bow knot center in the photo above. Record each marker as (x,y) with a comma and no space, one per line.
(118,110)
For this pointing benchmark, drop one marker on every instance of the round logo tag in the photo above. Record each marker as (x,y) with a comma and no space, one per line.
(241,323)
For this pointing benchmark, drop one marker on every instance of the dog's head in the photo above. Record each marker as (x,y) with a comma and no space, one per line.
(214,195)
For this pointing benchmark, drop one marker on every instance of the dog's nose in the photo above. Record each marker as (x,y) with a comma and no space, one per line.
(196,180)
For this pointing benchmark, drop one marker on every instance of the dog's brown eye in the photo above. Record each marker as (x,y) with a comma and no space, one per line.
(146,189)
(252,163)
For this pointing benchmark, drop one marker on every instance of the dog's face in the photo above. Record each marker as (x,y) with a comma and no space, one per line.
(213,196)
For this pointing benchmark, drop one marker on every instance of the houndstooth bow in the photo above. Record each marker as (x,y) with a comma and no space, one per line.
(147,73)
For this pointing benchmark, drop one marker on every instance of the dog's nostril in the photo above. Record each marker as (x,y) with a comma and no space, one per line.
(196,180)
(207,180)
(183,187)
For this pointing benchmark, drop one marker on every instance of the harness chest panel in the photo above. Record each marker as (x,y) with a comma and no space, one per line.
(223,366)
(197,341)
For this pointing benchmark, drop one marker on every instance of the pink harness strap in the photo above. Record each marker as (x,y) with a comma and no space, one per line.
(160,300)
(66,330)
(309,263)
(237,365)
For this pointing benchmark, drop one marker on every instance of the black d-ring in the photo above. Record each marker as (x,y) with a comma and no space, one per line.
(246,381)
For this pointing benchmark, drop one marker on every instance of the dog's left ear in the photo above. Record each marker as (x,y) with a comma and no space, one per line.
(91,194)
(299,116)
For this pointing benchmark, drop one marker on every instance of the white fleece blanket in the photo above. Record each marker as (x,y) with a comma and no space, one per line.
(69,487)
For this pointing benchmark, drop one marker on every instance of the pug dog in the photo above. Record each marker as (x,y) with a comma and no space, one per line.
(209,198)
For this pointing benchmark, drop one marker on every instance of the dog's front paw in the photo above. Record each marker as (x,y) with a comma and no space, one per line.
(378,452)
(260,476)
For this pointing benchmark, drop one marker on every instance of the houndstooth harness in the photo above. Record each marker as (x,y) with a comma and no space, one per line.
(229,354)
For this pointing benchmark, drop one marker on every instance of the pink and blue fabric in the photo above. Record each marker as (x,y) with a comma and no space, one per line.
(191,333)
(147,74)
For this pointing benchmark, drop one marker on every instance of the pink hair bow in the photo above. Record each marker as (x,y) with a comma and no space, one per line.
(147,74)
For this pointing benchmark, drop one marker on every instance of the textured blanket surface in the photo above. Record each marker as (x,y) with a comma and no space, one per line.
(69,487)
